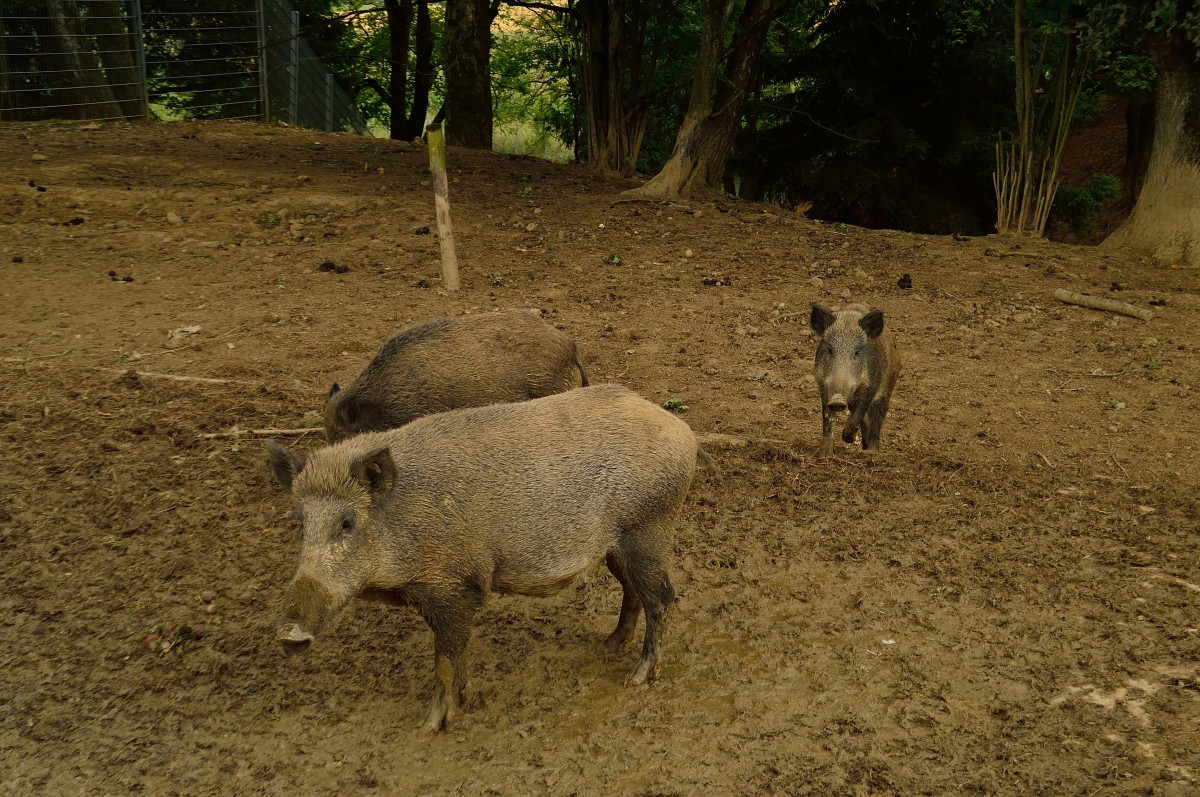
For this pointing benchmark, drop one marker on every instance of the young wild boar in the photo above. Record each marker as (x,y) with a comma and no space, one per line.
(856,367)
(510,498)
(449,363)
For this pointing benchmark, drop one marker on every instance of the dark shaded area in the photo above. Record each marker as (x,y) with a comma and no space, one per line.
(892,123)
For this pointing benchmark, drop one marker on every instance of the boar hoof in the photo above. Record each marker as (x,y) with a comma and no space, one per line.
(294,640)
(826,448)
(645,673)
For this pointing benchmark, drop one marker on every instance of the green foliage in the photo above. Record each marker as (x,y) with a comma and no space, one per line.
(1079,206)
(533,90)
(675,405)
(1089,108)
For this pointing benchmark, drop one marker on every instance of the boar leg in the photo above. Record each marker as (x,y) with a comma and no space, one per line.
(645,554)
(873,424)
(631,604)
(827,416)
(449,614)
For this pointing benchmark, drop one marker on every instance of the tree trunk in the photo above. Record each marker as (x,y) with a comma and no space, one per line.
(116,52)
(423,74)
(467,65)
(1139,137)
(711,123)
(87,92)
(611,52)
(399,17)
(1166,218)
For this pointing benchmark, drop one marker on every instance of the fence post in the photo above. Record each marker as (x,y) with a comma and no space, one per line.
(139,45)
(264,99)
(294,100)
(435,143)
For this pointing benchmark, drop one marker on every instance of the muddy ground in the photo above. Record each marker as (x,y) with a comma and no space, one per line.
(1001,601)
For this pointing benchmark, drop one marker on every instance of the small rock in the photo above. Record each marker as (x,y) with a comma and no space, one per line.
(173,217)
(531,227)
(905,282)
(817,282)
(1150,342)
(422,230)
(689,253)
(37,156)
(18,259)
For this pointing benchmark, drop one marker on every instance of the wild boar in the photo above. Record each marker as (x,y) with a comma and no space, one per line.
(450,363)
(856,366)
(509,498)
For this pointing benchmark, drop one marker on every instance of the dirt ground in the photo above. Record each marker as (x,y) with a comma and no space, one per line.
(1003,600)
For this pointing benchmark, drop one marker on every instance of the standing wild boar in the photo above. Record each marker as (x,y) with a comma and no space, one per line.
(450,363)
(856,367)
(510,498)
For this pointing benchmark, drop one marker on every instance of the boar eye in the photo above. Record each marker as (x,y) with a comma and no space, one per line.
(347,525)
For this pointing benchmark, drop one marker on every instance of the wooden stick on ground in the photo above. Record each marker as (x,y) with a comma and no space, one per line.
(435,142)
(1100,303)
(207,380)
(257,433)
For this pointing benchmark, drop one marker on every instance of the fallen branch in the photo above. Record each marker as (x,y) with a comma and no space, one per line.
(41,357)
(1099,303)
(176,378)
(1011,253)
(258,433)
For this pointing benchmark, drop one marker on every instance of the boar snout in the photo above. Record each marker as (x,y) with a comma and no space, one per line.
(837,403)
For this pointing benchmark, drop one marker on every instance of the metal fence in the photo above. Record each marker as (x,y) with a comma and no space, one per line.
(165,59)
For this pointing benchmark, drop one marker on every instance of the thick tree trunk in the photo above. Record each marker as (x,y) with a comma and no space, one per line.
(399,16)
(87,92)
(468,73)
(711,123)
(610,54)
(1166,218)
(423,73)
(115,42)
(1139,136)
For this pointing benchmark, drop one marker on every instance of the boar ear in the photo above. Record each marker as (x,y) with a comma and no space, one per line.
(820,320)
(872,324)
(284,464)
(333,391)
(375,471)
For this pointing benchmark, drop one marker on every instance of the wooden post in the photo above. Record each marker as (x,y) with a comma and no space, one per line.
(435,142)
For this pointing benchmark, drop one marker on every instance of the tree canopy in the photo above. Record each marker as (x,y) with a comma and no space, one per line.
(896,113)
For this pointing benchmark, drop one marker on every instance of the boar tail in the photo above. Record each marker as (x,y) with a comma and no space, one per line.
(582,373)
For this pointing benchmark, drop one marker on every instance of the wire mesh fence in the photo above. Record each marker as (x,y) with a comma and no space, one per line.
(165,59)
